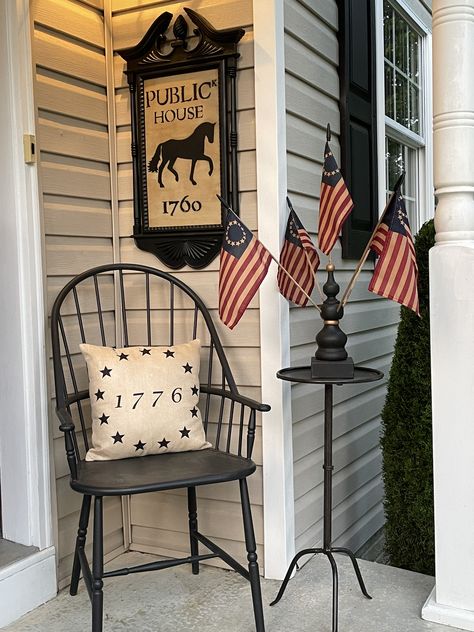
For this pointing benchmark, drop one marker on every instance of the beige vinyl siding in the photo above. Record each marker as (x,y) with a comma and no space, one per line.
(312,94)
(70,91)
(159,522)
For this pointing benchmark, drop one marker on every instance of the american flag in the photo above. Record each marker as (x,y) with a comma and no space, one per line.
(299,257)
(244,262)
(335,203)
(396,272)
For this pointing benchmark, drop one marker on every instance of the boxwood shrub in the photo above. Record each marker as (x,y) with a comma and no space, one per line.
(406,433)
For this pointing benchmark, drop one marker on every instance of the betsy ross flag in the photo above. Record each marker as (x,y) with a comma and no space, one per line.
(335,203)
(244,262)
(396,272)
(300,258)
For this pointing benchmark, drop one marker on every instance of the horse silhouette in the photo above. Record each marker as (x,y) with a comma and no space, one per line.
(190,148)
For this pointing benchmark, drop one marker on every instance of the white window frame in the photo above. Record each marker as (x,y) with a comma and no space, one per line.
(416,14)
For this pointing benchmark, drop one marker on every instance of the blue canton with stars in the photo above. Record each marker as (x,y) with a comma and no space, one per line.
(292,228)
(237,236)
(396,216)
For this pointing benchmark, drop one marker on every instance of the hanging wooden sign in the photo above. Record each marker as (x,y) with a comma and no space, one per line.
(184,137)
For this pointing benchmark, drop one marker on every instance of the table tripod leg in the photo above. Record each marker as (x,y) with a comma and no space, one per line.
(335,590)
(356,568)
(290,571)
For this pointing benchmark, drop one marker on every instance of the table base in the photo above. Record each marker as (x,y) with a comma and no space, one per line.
(335,585)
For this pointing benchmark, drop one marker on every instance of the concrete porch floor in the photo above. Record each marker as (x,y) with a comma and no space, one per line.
(174,600)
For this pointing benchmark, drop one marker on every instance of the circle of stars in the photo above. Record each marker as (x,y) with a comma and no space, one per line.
(230,241)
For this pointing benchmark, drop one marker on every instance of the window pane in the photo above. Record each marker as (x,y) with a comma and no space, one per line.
(388,18)
(389,101)
(402,70)
(399,158)
(394,159)
(401,99)
(414,65)
(401,43)
(414,109)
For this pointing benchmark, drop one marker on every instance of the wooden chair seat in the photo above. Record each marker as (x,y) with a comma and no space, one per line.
(157,472)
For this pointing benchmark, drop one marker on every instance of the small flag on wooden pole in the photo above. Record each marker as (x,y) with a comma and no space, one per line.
(335,202)
(300,259)
(396,272)
(244,263)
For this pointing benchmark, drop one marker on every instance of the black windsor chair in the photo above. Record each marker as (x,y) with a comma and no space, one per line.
(161,310)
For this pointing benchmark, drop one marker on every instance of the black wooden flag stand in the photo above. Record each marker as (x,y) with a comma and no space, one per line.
(330,367)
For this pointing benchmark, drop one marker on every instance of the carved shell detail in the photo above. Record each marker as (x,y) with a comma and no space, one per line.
(152,57)
(191,252)
(208,48)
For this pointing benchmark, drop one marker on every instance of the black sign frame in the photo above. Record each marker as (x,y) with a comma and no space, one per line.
(156,56)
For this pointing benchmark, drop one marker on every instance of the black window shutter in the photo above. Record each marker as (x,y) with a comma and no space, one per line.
(358,121)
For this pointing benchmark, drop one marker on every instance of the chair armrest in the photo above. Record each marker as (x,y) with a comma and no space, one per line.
(67,424)
(236,397)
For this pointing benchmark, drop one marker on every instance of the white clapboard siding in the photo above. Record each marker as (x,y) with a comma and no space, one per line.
(158,523)
(72,19)
(78,99)
(312,101)
(71,101)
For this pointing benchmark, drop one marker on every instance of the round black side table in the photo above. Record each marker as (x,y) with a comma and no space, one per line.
(303,374)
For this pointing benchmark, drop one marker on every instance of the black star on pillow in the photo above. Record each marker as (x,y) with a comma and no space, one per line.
(104,419)
(194,412)
(118,437)
(164,443)
(139,445)
(105,371)
(187,368)
(194,390)
(123,356)
(145,352)
(185,432)
(168,353)
(99,394)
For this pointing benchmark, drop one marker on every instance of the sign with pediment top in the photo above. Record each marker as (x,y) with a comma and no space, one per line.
(184,136)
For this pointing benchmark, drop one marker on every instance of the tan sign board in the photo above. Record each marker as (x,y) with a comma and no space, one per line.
(183,149)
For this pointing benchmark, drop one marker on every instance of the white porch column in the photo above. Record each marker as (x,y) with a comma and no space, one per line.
(452,314)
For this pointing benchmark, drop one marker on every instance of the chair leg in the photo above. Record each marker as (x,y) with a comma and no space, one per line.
(252,557)
(80,543)
(192,511)
(97,567)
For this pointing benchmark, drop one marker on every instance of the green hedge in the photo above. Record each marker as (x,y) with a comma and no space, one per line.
(406,436)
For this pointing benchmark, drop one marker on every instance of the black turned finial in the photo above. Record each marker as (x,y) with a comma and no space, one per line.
(328,133)
(330,360)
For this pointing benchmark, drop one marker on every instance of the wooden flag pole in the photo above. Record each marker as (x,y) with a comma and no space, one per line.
(365,254)
(277,262)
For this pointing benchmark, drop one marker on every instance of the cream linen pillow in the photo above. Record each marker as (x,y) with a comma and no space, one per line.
(144,400)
